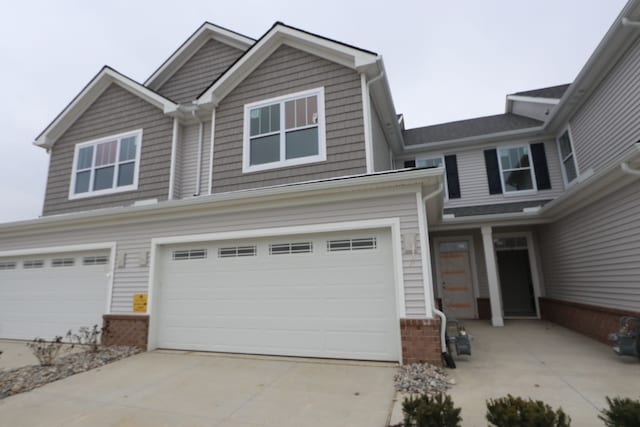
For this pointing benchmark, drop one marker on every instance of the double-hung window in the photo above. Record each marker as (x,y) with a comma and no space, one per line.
(516,170)
(430,162)
(105,166)
(284,131)
(567,157)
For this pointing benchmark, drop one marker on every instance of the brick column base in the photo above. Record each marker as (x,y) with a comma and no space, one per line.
(421,341)
(591,320)
(124,329)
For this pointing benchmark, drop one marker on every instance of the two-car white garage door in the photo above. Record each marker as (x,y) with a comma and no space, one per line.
(321,295)
(45,295)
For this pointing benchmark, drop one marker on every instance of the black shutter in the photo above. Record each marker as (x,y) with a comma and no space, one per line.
(453,183)
(409,163)
(493,171)
(540,166)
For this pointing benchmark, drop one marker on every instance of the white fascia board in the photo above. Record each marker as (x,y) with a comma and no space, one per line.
(379,180)
(89,94)
(205,33)
(276,37)
(533,99)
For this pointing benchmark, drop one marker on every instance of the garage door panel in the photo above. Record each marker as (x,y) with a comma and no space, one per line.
(48,301)
(319,304)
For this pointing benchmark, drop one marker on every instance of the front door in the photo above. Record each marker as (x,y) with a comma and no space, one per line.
(518,298)
(456,279)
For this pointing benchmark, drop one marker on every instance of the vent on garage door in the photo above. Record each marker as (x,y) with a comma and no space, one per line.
(187,254)
(290,248)
(33,263)
(10,265)
(237,251)
(351,244)
(62,262)
(95,260)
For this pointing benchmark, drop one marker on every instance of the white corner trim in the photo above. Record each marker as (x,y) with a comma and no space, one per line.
(366,114)
(425,257)
(392,224)
(174,147)
(211,150)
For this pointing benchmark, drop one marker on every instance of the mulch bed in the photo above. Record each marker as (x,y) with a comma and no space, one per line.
(27,378)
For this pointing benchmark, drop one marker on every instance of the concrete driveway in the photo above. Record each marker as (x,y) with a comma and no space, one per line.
(164,388)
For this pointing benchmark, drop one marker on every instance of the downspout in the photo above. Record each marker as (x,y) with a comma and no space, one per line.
(368,118)
(629,170)
(626,22)
(199,162)
(440,314)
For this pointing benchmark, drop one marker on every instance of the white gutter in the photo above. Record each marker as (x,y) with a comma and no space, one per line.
(426,266)
(199,160)
(629,23)
(213,137)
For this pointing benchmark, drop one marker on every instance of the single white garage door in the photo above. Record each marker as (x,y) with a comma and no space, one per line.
(328,295)
(46,295)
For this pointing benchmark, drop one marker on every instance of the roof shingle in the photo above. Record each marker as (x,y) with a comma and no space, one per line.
(554,92)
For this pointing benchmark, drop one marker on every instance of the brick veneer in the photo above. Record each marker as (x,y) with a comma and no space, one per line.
(421,341)
(125,329)
(591,320)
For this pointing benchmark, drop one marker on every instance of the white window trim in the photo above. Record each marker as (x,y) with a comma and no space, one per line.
(444,166)
(95,142)
(567,183)
(531,168)
(322,144)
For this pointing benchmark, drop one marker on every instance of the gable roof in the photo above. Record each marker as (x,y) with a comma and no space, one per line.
(470,128)
(553,92)
(347,55)
(83,100)
(203,34)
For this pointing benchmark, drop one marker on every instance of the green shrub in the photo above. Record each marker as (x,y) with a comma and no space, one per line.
(513,411)
(622,412)
(430,411)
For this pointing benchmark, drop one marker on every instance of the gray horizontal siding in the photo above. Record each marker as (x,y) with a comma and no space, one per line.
(592,256)
(474,185)
(115,111)
(133,237)
(189,159)
(381,152)
(206,65)
(286,71)
(608,123)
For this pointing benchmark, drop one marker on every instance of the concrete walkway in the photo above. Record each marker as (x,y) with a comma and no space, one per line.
(541,360)
(199,389)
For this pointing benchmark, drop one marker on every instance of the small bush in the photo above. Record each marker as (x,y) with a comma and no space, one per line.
(86,336)
(46,351)
(513,411)
(622,412)
(430,411)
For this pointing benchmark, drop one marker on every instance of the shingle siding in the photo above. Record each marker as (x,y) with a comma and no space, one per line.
(287,71)
(115,111)
(607,124)
(206,65)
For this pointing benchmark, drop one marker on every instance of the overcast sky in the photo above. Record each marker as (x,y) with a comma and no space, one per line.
(445,60)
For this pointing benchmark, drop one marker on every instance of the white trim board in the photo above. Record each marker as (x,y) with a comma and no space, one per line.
(392,224)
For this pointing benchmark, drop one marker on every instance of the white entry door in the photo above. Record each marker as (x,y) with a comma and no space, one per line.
(322,295)
(43,296)
(456,280)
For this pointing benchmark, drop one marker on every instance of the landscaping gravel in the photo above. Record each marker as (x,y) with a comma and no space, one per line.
(422,378)
(29,377)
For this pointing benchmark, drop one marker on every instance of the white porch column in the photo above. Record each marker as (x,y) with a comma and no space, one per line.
(492,275)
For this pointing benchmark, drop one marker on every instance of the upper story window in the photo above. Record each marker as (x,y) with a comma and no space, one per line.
(515,169)
(284,131)
(105,166)
(567,157)
(433,162)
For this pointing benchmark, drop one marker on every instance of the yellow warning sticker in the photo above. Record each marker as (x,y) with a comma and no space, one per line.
(139,303)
